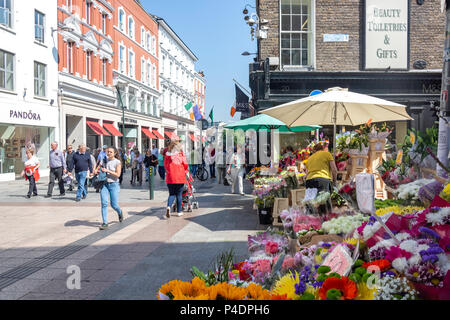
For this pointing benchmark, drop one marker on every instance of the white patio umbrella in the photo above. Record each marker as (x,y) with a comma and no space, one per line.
(337,106)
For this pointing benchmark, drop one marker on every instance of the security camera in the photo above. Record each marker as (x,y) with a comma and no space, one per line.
(264,21)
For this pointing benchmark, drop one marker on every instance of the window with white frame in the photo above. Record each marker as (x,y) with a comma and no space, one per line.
(69,5)
(163,64)
(6,13)
(296,32)
(69,55)
(88,11)
(154,77)
(122,59)
(148,42)
(104,71)
(143,70)
(149,101)
(131,27)
(89,64)
(154,45)
(104,22)
(39,26)
(143,103)
(132,99)
(149,72)
(39,79)
(122,20)
(131,64)
(143,37)
(6,70)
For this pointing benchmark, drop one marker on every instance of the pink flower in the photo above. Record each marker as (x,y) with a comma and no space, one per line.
(301,226)
(360,229)
(271,247)
(395,252)
(288,262)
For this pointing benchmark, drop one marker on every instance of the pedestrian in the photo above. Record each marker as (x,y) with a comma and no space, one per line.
(94,162)
(176,165)
(111,187)
(58,167)
(102,155)
(210,159)
(136,168)
(161,169)
(69,163)
(82,165)
(194,165)
(155,150)
(31,172)
(237,170)
(221,166)
(150,160)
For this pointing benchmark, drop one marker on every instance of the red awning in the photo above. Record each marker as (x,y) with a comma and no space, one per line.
(148,133)
(171,135)
(192,137)
(113,130)
(97,128)
(157,134)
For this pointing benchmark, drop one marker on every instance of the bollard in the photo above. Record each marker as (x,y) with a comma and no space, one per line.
(150,183)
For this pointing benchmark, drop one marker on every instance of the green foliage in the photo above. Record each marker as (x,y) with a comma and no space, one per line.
(334,294)
(358,263)
(221,267)
(361,271)
(355,277)
(323,269)
(307,296)
(381,204)
(334,274)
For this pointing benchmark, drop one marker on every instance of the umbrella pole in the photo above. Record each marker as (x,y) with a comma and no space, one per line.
(334,129)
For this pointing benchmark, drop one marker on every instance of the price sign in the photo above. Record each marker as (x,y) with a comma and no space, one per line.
(339,260)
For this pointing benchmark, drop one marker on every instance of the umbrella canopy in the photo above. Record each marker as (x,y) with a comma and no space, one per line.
(264,122)
(340,107)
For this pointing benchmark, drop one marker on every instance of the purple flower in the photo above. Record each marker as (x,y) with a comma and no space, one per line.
(388,273)
(433,258)
(435,250)
(300,288)
(429,232)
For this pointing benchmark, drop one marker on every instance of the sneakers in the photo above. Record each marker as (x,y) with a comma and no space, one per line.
(28,196)
(104,226)
(84,197)
(121,217)
(168,212)
(48,196)
(77,199)
(179,214)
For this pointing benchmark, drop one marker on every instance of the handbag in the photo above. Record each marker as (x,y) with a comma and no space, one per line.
(100,180)
(227,181)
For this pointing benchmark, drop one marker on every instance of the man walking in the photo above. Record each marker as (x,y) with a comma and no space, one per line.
(69,163)
(57,168)
(82,164)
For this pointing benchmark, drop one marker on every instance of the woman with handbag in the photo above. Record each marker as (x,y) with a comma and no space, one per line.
(108,175)
(176,165)
(31,172)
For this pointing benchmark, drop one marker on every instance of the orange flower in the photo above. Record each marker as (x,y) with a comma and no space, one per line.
(280,297)
(345,285)
(383,264)
(369,122)
(256,292)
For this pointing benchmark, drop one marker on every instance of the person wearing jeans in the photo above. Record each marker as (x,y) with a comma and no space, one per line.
(81,162)
(176,165)
(31,172)
(111,188)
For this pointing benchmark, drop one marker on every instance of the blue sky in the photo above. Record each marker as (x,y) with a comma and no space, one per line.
(216,32)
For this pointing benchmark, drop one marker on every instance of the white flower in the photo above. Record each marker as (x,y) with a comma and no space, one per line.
(437,218)
(409,245)
(400,264)
(415,259)
(444,262)
(402,236)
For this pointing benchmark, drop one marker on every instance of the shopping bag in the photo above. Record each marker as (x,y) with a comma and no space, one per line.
(227,181)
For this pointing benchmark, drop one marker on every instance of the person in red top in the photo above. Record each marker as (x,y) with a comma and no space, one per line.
(176,165)
(31,172)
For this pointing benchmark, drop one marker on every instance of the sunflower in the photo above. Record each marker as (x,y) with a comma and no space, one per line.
(364,293)
(226,291)
(286,285)
(256,292)
(168,288)
(346,287)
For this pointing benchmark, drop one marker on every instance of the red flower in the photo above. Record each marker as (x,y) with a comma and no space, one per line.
(345,285)
(271,247)
(383,264)
(280,297)
(395,252)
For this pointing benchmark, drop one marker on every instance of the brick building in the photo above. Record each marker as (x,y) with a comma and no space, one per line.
(391,49)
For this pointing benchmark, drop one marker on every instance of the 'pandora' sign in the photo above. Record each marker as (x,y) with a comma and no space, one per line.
(386,34)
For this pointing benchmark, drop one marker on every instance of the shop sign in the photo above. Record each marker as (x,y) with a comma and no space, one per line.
(386,34)
(29,115)
(14,114)
(130,120)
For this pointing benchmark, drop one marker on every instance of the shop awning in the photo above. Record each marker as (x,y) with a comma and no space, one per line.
(157,134)
(192,137)
(113,130)
(171,135)
(148,133)
(97,128)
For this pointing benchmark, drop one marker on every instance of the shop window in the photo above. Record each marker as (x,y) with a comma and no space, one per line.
(39,79)
(296,33)
(6,70)
(39,26)
(6,13)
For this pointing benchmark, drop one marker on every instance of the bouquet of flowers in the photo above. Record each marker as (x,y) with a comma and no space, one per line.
(348,192)
(295,222)
(341,160)
(344,224)
(410,192)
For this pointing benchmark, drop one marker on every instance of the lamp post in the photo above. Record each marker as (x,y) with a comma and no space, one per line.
(123,117)
(246,53)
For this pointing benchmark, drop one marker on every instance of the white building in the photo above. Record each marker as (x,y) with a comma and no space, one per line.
(28,83)
(176,74)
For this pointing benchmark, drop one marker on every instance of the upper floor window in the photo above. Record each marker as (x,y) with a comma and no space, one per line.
(143,36)
(104,71)
(69,5)
(154,77)
(88,11)
(6,13)
(154,45)
(104,21)
(142,70)
(69,55)
(296,33)
(148,41)
(6,70)
(122,59)
(89,64)
(131,64)
(131,27)
(122,20)
(39,79)
(39,26)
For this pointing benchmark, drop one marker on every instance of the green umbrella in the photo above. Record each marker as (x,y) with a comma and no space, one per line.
(263,122)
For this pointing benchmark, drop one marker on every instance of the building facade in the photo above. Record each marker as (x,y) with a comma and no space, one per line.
(28,83)
(178,78)
(390,49)
(199,91)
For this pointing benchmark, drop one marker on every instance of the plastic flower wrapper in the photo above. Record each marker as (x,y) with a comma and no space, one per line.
(344,224)
(429,191)
(258,242)
(410,191)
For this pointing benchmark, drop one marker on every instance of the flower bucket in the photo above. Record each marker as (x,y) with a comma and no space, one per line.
(356,152)
(377,144)
(265,215)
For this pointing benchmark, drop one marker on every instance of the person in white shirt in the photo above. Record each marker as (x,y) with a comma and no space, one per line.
(31,172)
(237,170)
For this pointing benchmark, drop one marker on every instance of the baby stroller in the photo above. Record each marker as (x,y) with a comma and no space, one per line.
(189,201)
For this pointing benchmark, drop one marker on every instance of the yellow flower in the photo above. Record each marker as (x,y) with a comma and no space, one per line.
(352,241)
(364,293)
(313,291)
(256,292)
(286,285)
(400,210)
(226,291)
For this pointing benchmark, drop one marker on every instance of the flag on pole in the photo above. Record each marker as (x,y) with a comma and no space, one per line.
(233,111)
(211,116)
(241,100)
(197,114)
(188,106)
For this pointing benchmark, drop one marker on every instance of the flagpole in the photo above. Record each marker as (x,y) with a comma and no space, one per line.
(240,85)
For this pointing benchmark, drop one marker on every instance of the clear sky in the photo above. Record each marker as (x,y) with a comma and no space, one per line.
(216,32)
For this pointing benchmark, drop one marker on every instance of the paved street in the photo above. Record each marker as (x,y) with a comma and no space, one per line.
(42,237)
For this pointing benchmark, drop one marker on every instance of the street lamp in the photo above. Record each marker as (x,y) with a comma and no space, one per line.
(246,53)
(123,115)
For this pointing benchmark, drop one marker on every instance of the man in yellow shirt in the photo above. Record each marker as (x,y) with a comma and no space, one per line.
(322,171)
